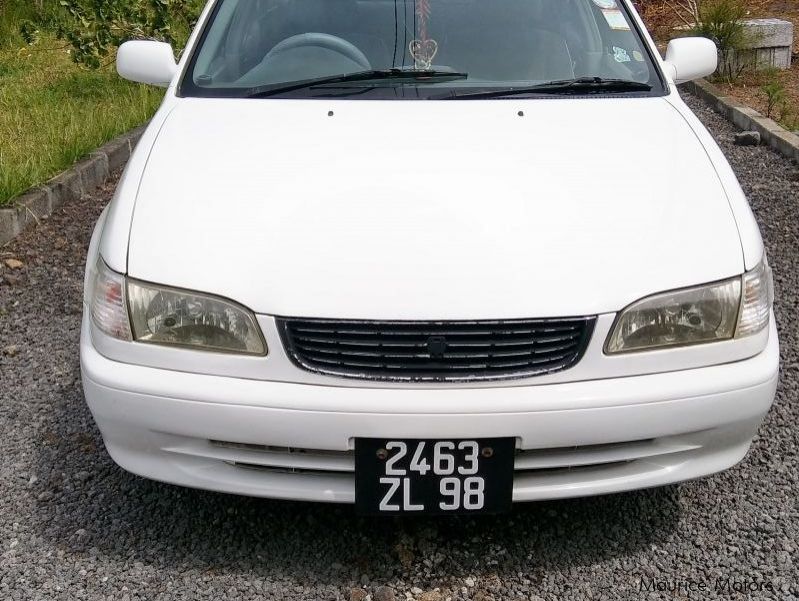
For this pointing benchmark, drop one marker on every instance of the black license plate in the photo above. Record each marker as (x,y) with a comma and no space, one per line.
(394,476)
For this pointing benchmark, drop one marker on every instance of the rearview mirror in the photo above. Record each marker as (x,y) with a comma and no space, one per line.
(147,62)
(691,58)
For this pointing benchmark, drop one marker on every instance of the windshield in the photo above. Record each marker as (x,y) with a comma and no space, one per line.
(417,48)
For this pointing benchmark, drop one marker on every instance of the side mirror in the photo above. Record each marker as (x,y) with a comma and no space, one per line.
(691,58)
(147,62)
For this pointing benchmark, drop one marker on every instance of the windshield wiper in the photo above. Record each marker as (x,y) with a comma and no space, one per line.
(578,85)
(371,75)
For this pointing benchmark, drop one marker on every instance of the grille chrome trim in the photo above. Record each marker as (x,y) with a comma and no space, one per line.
(400,350)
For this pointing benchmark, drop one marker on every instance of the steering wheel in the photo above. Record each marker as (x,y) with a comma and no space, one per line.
(326,41)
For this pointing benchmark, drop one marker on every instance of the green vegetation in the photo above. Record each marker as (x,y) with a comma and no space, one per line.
(52,113)
(14,13)
(60,97)
(779,105)
(776,97)
(722,22)
(94,28)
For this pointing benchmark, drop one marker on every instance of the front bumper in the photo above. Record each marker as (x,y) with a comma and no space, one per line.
(295,441)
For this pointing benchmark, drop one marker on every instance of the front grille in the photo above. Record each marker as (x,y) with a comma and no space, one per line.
(436,350)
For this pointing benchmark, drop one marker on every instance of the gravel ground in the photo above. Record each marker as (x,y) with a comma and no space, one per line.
(74,526)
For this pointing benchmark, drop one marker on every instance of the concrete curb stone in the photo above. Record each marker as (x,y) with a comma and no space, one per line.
(84,177)
(745,118)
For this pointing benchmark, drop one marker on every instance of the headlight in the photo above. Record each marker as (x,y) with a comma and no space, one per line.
(161,315)
(131,310)
(695,315)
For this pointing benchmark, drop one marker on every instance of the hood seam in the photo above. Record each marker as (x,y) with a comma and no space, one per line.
(668,100)
(141,180)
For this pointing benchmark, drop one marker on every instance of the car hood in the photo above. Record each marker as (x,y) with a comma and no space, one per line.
(431,210)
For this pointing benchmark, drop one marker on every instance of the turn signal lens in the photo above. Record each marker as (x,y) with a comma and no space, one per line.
(169,316)
(108,307)
(758,296)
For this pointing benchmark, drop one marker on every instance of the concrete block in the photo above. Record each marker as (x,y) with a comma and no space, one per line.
(765,58)
(93,171)
(9,225)
(117,153)
(786,143)
(768,33)
(33,205)
(769,45)
(740,118)
(66,187)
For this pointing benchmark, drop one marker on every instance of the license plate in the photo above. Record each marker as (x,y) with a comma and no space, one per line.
(434,476)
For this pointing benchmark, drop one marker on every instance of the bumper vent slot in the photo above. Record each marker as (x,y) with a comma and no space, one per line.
(309,461)
(437,351)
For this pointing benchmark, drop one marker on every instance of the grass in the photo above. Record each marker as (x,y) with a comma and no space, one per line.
(53,112)
(12,13)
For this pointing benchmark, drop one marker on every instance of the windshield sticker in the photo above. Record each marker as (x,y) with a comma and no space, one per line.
(616,20)
(638,56)
(620,54)
(605,4)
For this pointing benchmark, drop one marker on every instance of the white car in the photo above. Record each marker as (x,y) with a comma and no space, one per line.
(431,257)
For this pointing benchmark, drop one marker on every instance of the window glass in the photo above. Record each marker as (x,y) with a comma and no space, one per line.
(252,44)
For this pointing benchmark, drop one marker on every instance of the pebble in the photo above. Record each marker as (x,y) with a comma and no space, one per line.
(384,593)
(14,263)
(747,138)
(358,594)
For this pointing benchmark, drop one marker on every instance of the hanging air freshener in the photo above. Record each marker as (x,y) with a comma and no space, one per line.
(424,49)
